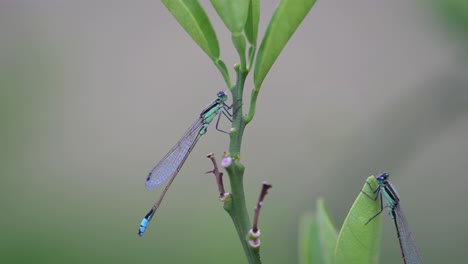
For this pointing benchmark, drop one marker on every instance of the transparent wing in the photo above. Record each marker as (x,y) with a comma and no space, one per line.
(171,163)
(409,249)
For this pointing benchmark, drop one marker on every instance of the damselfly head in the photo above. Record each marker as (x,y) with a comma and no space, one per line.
(383,177)
(222,96)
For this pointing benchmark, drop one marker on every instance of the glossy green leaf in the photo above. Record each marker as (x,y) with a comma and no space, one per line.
(357,242)
(251,26)
(232,12)
(192,17)
(286,19)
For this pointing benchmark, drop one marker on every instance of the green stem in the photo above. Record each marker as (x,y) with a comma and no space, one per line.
(253,105)
(237,208)
(238,123)
(238,40)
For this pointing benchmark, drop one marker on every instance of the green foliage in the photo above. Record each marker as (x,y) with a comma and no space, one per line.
(233,13)
(328,234)
(308,234)
(251,26)
(192,17)
(286,19)
(455,12)
(318,237)
(224,72)
(239,43)
(357,242)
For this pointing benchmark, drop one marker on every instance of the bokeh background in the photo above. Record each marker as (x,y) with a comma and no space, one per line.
(94,93)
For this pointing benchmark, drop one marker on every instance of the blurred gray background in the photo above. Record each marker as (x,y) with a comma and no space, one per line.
(94,93)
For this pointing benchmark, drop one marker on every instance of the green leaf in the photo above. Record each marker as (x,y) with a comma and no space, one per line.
(308,239)
(251,26)
(357,242)
(287,17)
(192,17)
(233,13)
(318,237)
(224,71)
(328,234)
(251,56)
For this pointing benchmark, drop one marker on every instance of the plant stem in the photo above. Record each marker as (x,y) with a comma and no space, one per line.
(237,208)
(253,105)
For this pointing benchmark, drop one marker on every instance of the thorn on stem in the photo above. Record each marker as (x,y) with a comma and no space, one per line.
(218,176)
(263,193)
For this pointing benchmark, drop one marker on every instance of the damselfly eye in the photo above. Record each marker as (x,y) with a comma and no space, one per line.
(221,94)
(383,176)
